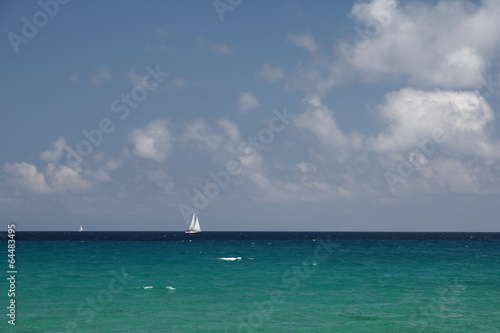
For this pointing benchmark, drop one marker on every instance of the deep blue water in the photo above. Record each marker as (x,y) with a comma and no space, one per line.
(238,235)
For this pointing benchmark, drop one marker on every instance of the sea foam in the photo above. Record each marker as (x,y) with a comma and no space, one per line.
(230,258)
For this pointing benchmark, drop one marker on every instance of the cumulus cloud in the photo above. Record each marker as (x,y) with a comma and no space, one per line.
(319,120)
(57,151)
(413,115)
(429,141)
(257,171)
(247,102)
(444,49)
(152,142)
(54,179)
(448,44)
(220,142)
(436,141)
(434,137)
(28,176)
(305,41)
(99,175)
(305,173)
(198,132)
(224,143)
(304,167)
(63,178)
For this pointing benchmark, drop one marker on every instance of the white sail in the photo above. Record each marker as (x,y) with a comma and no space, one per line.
(194,227)
(80,229)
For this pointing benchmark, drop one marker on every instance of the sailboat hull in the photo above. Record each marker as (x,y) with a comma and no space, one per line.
(192,232)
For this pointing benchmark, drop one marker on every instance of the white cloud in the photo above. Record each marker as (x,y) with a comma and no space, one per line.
(57,151)
(99,175)
(453,174)
(63,178)
(28,176)
(414,115)
(223,147)
(197,131)
(319,120)
(306,175)
(247,102)
(152,142)
(316,77)
(462,158)
(271,73)
(55,178)
(449,44)
(305,167)
(305,41)
(434,141)
(102,76)
(230,129)
(257,171)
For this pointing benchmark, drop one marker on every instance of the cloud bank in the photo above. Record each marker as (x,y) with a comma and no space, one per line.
(434,132)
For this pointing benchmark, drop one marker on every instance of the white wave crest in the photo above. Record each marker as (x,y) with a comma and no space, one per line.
(230,258)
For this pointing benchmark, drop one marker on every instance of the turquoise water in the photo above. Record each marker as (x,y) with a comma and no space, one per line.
(256,286)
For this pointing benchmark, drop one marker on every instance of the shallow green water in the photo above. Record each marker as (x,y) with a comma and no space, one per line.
(259,286)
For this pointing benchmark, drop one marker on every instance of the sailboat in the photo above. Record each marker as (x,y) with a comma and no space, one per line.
(194,227)
(80,229)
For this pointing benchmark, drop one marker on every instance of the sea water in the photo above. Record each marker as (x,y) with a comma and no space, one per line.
(268,282)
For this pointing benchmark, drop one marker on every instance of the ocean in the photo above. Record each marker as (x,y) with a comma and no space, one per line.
(252,282)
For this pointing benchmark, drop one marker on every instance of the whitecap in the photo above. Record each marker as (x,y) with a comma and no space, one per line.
(148,287)
(169,288)
(230,258)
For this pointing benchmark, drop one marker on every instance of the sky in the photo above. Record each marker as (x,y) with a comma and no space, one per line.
(258,115)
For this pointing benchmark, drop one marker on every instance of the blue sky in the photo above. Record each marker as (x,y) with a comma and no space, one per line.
(280,115)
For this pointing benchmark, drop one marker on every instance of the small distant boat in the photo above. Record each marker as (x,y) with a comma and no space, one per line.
(80,229)
(194,227)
